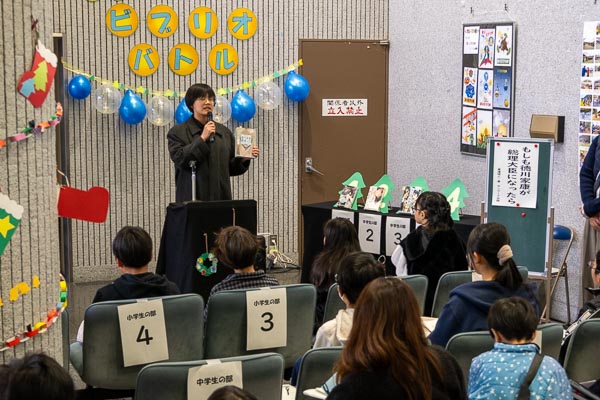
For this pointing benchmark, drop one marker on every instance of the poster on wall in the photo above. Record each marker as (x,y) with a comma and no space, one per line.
(487,85)
(589,98)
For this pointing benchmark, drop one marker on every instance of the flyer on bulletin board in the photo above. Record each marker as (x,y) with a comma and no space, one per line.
(589,99)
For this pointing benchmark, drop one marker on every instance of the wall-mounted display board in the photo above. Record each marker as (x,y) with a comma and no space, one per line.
(487,84)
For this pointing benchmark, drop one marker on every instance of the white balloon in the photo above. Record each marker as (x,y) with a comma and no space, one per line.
(107,99)
(268,96)
(222,110)
(160,111)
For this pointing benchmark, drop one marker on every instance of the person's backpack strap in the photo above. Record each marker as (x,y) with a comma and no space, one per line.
(533,369)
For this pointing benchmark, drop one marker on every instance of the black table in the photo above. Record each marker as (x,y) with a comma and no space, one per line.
(182,240)
(315,216)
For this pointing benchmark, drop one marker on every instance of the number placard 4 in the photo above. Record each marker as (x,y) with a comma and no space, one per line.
(369,233)
(143,332)
(267,318)
(396,229)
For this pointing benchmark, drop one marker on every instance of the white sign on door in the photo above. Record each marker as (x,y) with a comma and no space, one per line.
(203,380)
(344,107)
(267,318)
(369,232)
(143,332)
(396,229)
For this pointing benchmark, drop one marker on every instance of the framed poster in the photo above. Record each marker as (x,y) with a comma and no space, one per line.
(487,97)
(589,99)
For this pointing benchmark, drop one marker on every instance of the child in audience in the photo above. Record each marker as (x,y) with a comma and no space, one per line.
(231,393)
(35,376)
(132,248)
(356,271)
(236,248)
(387,355)
(490,255)
(500,373)
(433,248)
(339,239)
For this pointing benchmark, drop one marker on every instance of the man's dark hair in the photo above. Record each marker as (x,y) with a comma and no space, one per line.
(513,317)
(236,247)
(231,393)
(198,91)
(357,269)
(133,247)
(38,376)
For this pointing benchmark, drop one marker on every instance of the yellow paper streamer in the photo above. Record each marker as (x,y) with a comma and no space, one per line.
(180,94)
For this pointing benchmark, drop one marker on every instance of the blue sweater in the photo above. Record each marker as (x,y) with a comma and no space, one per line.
(498,374)
(468,307)
(587,180)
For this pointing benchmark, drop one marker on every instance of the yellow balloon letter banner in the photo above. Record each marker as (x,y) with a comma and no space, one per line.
(162,21)
(121,19)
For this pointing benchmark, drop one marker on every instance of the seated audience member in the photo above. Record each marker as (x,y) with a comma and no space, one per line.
(339,238)
(489,253)
(356,271)
(387,355)
(35,376)
(595,290)
(236,248)
(132,248)
(231,393)
(501,373)
(433,248)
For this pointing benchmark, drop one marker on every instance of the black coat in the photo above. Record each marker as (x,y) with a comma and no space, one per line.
(215,161)
(433,257)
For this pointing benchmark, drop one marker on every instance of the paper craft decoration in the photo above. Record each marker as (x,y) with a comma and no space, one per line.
(409,198)
(420,182)
(355,181)
(455,192)
(206,264)
(10,217)
(35,84)
(245,138)
(380,195)
(91,205)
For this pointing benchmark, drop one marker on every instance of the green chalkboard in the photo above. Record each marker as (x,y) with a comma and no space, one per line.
(528,227)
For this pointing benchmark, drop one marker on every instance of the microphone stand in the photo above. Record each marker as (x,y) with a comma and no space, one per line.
(193,167)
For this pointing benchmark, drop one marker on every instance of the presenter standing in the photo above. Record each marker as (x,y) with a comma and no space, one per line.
(589,186)
(206,146)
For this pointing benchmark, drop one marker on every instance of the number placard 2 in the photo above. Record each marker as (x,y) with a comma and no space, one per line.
(396,229)
(369,233)
(143,332)
(205,379)
(267,318)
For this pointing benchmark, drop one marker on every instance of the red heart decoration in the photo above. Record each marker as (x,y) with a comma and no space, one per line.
(91,205)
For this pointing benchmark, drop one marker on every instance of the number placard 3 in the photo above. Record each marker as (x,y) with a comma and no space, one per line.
(143,332)
(267,318)
(396,229)
(369,233)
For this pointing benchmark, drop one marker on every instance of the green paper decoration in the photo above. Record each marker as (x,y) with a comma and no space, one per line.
(420,182)
(203,268)
(455,192)
(356,180)
(10,218)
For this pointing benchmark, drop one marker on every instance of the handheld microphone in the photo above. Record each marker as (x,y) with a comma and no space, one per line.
(209,115)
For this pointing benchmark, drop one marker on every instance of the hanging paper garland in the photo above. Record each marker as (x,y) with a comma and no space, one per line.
(33,330)
(206,264)
(34,129)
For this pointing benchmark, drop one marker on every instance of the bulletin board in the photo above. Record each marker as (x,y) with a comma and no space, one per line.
(519,196)
(487,96)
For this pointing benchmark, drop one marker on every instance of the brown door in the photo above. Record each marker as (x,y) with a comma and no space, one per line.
(341,145)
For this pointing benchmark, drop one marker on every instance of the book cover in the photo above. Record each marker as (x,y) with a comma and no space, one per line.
(409,198)
(374,198)
(347,196)
(245,138)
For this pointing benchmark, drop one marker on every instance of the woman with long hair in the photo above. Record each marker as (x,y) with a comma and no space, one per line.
(387,355)
(339,238)
(433,248)
(490,254)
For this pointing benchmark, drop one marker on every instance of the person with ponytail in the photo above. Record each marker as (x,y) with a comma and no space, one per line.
(433,248)
(490,255)
(387,355)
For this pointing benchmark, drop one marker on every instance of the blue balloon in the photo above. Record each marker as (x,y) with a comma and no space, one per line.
(242,106)
(296,87)
(80,87)
(132,109)
(182,113)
